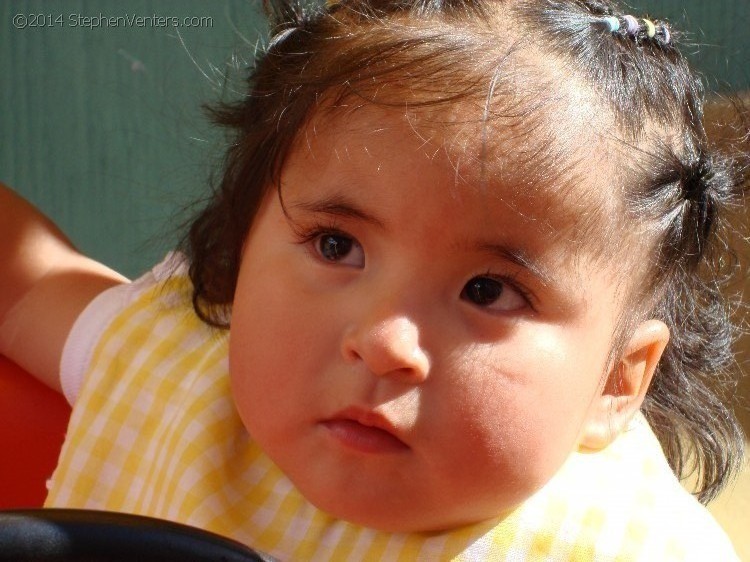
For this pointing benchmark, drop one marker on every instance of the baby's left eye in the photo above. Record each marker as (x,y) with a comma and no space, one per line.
(492,293)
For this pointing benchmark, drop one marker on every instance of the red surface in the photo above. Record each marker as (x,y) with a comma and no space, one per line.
(33,420)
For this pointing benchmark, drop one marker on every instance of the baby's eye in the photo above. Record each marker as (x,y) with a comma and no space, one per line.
(340,248)
(492,293)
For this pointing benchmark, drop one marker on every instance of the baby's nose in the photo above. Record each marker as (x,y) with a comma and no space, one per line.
(389,347)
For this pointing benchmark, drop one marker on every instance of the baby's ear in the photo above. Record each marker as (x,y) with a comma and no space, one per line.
(626,388)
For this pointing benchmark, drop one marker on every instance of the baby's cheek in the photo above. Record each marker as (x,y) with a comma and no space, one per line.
(495,467)
(250,363)
(516,430)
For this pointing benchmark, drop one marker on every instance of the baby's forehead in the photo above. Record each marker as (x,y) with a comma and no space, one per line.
(521,175)
(570,189)
(550,171)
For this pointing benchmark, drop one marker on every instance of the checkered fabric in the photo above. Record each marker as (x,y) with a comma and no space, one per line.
(155,432)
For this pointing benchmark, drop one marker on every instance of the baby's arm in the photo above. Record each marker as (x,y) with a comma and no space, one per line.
(44,284)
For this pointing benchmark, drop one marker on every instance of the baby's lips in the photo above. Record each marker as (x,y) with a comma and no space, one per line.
(364,430)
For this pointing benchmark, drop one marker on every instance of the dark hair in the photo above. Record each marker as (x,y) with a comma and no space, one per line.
(676,188)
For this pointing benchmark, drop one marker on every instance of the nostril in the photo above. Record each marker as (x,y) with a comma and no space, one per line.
(351,355)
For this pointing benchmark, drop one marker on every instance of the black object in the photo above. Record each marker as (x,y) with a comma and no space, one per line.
(77,535)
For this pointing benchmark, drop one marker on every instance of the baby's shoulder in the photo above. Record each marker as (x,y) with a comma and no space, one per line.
(686,526)
(125,318)
(625,503)
(662,520)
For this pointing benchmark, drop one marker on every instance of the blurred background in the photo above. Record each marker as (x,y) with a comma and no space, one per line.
(102,127)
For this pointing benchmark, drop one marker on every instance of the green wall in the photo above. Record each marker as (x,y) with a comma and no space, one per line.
(101,127)
(716,37)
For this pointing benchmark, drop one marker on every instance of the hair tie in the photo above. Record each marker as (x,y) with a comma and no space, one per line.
(667,34)
(613,23)
(650,28)
(633,25)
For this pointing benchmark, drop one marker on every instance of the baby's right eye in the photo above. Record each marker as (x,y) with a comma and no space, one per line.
(339,248)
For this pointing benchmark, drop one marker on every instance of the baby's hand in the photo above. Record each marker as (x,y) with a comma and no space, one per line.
(44,284)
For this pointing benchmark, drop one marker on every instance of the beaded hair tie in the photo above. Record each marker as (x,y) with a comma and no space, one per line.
(643,29)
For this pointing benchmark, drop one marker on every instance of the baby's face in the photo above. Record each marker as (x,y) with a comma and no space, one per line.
(414,349)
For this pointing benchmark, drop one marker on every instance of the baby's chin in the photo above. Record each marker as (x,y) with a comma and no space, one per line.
(400,514)
(434,520)
(405,501)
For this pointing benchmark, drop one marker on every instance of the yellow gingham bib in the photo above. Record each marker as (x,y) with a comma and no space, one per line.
(154,432)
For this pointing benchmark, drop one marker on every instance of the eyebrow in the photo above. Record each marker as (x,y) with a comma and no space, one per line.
(520,258)
(338,206)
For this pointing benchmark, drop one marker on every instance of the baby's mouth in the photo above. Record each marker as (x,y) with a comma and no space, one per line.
(364,431)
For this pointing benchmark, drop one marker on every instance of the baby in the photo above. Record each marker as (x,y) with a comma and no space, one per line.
(455,282)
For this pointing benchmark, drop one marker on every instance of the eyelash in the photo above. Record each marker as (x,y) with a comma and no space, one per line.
(513,282)
(307,234)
